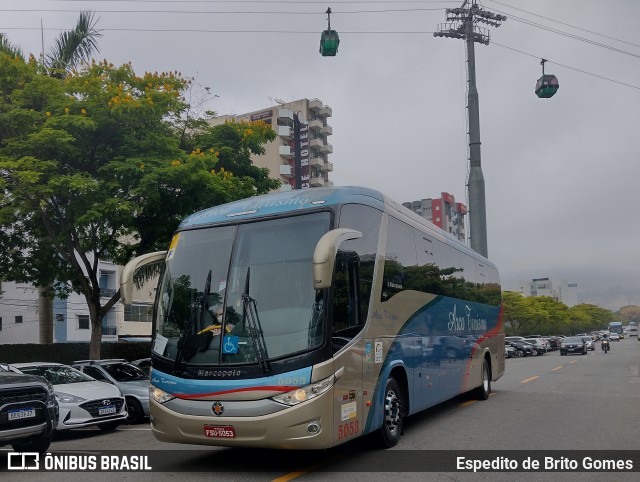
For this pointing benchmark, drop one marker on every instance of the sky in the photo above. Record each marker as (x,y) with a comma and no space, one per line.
(560,174)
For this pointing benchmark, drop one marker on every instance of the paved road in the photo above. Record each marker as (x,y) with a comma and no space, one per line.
(549,402)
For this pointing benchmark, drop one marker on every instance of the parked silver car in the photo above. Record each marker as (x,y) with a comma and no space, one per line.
(132,382)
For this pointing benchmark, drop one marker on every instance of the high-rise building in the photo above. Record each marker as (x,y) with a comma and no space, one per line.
(444,212)
(279,156)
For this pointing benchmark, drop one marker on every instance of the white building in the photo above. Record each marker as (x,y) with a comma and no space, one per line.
(566,293)
(19,312)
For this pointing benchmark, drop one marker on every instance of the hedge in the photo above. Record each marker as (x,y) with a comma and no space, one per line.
(69,352)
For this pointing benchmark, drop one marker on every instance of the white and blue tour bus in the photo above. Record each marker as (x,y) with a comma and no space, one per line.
(307,318)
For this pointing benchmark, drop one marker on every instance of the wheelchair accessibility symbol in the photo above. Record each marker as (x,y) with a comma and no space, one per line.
(230,344)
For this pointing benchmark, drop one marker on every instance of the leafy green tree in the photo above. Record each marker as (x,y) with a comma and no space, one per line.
(91,168)
(518,313)
(70,48)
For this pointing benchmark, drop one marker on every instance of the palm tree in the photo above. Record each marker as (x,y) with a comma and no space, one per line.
(74,46)
(8,48)
(70,49)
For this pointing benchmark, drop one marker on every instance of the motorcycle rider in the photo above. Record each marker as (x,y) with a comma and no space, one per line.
(605,342)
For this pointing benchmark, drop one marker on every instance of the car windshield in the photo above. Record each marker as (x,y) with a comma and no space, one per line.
(57,375)
(241,294)
(124,372)
(573,339)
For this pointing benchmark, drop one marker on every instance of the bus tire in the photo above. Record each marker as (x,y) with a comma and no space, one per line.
(482,392)
(392,421)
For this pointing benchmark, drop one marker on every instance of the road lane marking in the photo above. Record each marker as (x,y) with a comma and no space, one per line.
(572,362)
(556,368)
(467,403)
(530,379)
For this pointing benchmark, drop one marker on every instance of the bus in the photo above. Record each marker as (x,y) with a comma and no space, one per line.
(616,327)
(305,319)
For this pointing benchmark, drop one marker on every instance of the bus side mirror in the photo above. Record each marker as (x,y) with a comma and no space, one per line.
(126,278)
(324,257)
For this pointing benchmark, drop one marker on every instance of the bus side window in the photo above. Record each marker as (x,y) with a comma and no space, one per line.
(354,272)
(347,316)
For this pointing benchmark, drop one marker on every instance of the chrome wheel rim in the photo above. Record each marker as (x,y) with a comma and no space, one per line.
(392,411)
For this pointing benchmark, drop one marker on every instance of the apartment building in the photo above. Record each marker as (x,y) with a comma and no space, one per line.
(279,157)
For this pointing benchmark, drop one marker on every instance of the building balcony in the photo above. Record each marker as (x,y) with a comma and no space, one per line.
(286,170)
(284,114)
(316,181)
(107,292)
(285,151)
(327,130)
(315,105)
(316,143)
(327,167)
(316,125)
(316,162)
(325,111)
(285,132)
(326,148)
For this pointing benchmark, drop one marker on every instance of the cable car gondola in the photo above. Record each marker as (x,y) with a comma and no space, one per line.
(329,39)
(547,85)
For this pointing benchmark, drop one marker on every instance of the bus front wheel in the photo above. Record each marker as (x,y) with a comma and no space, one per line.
(392,422)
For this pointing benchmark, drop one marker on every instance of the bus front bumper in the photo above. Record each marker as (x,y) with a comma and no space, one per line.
(306,426)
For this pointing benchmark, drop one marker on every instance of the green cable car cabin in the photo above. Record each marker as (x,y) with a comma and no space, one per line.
(329,41)
(547,86)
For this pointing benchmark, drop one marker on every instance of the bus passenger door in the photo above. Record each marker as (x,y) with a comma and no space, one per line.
(346,325)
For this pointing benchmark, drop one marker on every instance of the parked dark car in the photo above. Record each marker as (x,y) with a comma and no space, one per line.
(573,344)
(524,349)
(28,411)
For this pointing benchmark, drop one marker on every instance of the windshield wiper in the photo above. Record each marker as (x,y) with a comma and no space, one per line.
(196,315)
(251,320)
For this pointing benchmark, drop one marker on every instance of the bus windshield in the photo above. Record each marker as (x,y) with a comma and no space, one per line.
(241,293)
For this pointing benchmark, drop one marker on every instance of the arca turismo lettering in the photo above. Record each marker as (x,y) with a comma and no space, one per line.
(465,321)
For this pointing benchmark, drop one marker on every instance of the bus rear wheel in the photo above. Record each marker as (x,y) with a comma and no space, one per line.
(392,421)
(483,391)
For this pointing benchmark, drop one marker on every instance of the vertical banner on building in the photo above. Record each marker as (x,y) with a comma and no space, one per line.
(304,156)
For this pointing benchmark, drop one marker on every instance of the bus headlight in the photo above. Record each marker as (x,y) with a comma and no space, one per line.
(159,395)
(302,394)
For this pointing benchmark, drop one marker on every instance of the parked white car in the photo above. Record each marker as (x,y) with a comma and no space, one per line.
(83,400)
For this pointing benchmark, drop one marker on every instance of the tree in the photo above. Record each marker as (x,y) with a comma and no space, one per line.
(74,47)
(71,48)
(629,314)
(91,167)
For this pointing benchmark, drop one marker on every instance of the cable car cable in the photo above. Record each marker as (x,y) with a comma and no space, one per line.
(562,23)
(568,67)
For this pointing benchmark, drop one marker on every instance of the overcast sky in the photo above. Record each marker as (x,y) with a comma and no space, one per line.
(561,174)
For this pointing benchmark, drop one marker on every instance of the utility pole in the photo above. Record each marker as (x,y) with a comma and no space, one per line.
(462,23)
